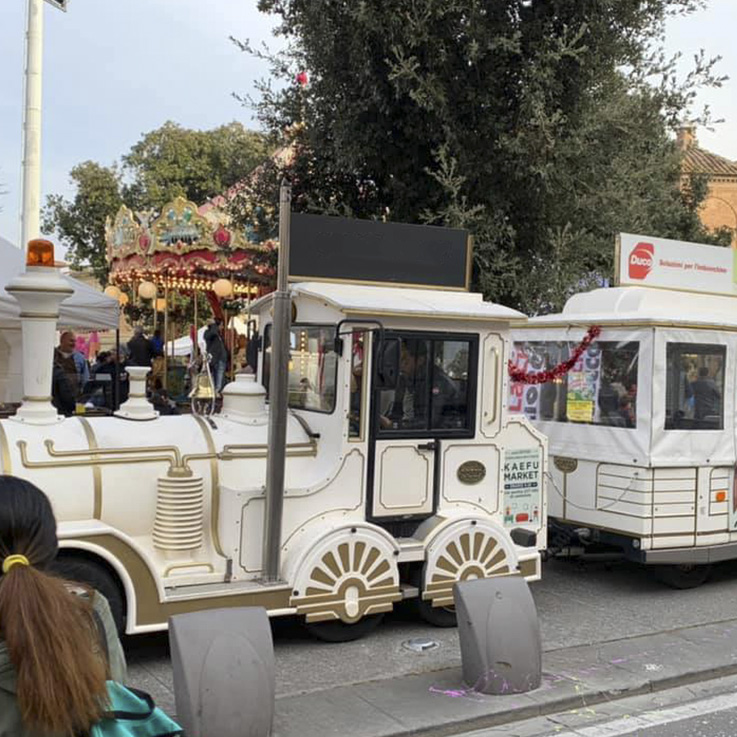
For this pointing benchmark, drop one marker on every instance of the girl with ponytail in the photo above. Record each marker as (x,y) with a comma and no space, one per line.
(53,665)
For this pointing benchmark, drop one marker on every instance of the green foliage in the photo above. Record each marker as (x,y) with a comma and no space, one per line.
(80,222)
(542,126)
(166,162)
(172,161)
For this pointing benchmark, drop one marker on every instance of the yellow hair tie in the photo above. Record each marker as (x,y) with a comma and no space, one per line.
(15,560)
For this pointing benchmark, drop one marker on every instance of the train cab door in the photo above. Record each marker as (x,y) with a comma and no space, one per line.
(423,393)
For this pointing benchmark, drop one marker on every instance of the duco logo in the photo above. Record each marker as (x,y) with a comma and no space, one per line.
(641,260)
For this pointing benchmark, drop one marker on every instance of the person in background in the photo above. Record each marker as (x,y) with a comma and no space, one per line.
(58,641)
(157,350)
(140,351)
(65,361)
(218,353)
(62,395)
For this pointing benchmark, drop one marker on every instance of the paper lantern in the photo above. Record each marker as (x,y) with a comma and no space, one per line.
(223,288)
(112,291)
(146,290)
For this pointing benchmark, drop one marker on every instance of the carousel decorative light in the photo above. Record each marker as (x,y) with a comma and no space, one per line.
(146,290)
(123,299)
(223,288)
(112,291)
(160,304)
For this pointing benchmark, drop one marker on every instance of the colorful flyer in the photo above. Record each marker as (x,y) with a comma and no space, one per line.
(522,497)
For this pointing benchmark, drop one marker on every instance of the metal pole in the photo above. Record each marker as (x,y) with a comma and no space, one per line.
(278,388)
(166,334)
(30,215)
(116,373)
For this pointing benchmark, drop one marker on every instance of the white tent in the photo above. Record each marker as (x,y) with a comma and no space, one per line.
(86,308)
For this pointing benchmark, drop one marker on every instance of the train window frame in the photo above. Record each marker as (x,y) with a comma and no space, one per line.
(384,433)
(674,353)
(266,365)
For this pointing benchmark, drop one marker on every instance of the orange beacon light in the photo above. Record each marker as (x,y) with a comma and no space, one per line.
(40,253)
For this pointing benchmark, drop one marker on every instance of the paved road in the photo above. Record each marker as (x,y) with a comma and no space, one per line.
(577,605)
(703,710)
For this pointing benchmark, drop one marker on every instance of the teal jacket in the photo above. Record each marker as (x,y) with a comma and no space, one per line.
(10,724)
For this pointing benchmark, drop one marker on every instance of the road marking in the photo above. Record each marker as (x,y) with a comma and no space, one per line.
(654,718)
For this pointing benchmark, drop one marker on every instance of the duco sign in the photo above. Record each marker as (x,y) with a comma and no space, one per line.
(641,260)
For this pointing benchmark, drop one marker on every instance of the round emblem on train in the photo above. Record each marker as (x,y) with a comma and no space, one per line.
(471,472)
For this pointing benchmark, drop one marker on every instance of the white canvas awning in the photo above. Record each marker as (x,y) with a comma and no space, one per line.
(86,308)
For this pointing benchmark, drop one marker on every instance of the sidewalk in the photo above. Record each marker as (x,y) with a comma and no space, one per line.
(437,704)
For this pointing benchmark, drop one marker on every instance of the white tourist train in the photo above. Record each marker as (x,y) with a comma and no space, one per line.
(642,429)
(404,472)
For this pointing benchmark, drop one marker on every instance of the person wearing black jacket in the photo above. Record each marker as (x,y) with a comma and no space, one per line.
(61,391)
(218,353)
(140,349)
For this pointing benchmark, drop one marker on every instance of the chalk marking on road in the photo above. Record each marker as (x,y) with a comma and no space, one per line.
(655,718)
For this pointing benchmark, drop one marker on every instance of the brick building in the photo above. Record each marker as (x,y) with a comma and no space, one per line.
(719,209)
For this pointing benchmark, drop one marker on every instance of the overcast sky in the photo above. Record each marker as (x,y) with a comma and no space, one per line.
(114,70)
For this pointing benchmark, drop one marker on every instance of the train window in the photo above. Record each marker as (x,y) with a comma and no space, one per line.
(358,379)
(313,367)
(694,391)
(600,388)
(434,391)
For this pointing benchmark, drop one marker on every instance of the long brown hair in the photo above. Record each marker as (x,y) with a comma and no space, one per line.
(50,634)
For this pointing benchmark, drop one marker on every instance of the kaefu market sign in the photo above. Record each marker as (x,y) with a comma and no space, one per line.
(658,262)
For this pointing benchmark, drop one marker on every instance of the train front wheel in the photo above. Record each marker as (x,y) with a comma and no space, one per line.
(337,631)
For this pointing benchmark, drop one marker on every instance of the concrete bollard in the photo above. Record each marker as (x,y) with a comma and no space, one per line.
(499,634)
(224,675)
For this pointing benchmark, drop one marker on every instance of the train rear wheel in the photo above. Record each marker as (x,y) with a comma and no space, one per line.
(95,576)
(683,576)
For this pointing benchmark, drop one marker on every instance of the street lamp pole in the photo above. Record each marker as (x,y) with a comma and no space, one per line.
(31,194)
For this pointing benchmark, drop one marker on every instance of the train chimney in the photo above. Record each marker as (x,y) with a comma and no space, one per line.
(39,291)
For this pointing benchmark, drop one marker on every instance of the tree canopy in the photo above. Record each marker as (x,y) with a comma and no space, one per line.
(165,163)
(542,126)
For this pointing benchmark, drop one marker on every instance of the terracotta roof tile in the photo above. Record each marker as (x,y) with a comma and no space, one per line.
(698,161)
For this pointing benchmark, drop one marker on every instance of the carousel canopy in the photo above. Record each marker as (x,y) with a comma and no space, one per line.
(187,248)
(85,308)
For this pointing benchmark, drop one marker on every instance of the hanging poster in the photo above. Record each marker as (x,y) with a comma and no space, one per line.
(583,386)
(525,398)
(522,497)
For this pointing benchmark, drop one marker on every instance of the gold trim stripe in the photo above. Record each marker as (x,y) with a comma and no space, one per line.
(5,451)
(96,470)
(215,483)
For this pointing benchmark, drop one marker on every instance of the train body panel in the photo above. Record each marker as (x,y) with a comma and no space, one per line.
(403,471)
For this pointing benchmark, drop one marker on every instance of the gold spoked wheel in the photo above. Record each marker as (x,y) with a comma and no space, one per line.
(347,580)
(464,552)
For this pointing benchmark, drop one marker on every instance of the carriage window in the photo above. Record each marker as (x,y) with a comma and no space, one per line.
(600,388)
(694,392)
(433,391)
(312,367)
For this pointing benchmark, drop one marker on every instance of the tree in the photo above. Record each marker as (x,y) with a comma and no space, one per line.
(166,162)
(198,165)
(541,126)
(80,222)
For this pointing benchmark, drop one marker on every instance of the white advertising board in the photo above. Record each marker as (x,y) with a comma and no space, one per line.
(522,500)
(658,262)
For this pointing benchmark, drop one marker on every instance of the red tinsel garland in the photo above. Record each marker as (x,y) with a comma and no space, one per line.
(520,376)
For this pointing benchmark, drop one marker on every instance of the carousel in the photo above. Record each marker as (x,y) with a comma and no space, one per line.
(173,273)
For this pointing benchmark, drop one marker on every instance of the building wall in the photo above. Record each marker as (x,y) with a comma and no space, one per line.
(719,209)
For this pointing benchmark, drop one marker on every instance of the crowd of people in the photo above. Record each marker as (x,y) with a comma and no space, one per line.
(77,381)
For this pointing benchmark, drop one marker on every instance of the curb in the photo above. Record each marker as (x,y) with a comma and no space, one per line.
(436,705)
